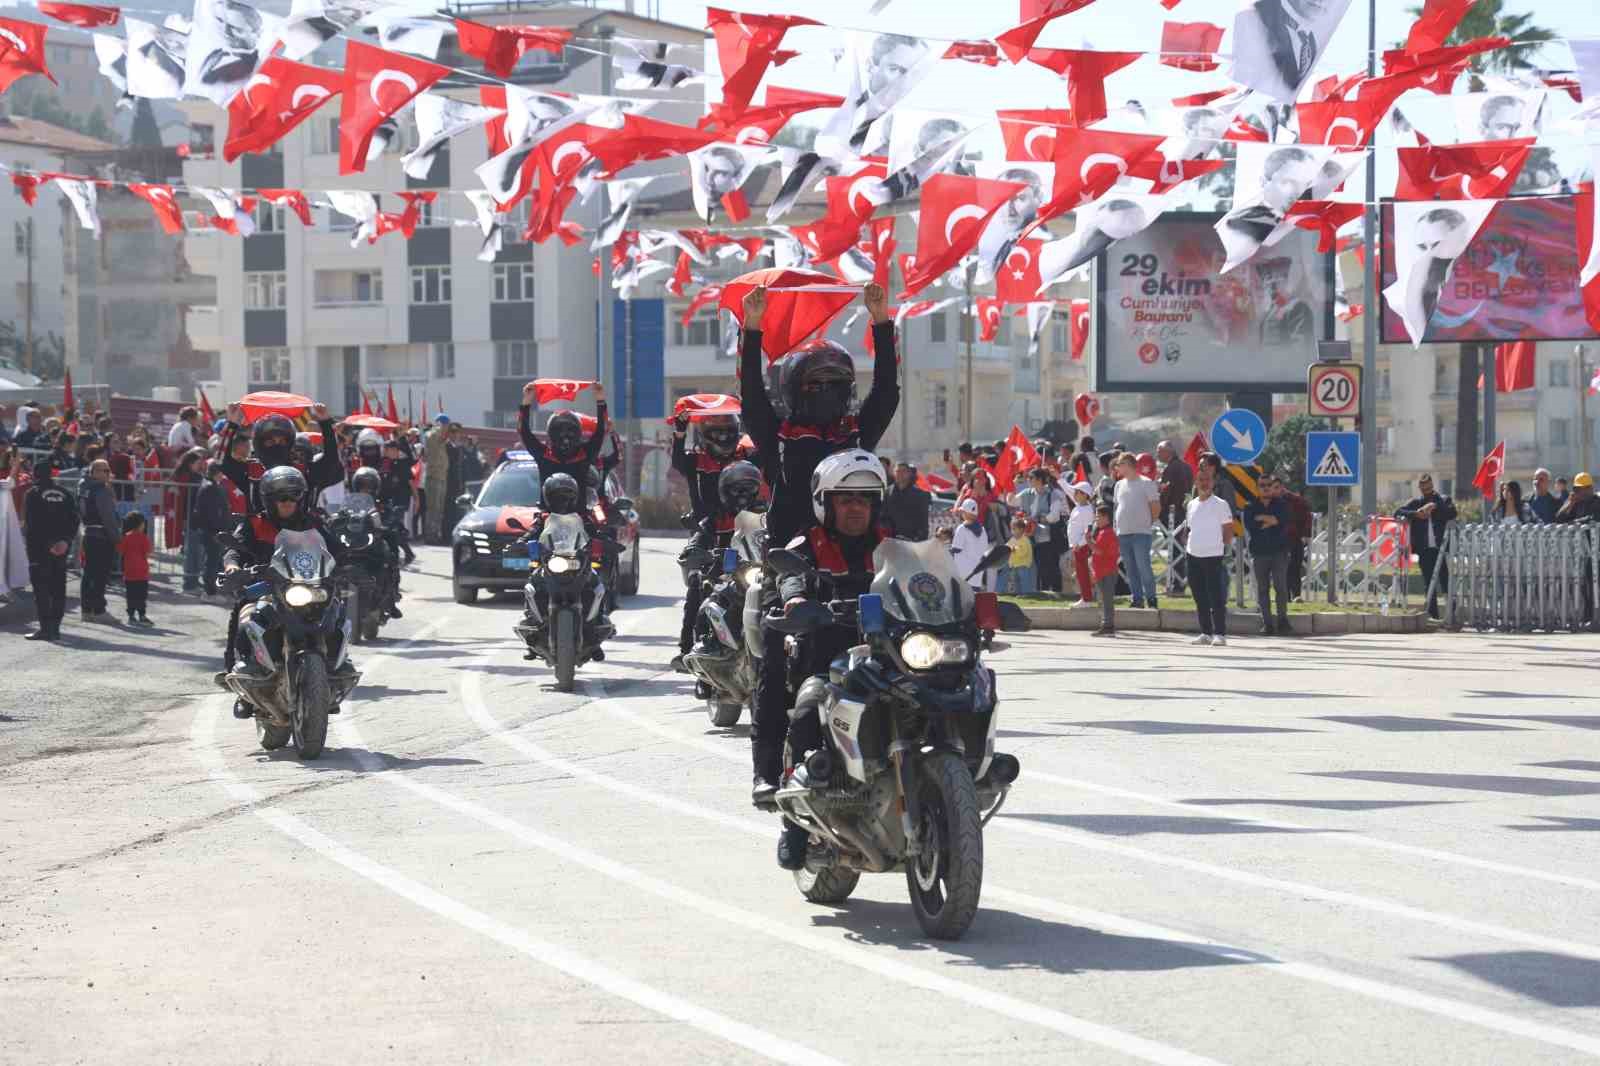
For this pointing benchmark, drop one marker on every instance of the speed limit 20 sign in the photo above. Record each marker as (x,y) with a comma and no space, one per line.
(1333,390)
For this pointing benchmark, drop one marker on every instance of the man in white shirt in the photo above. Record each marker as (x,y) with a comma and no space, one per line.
(1210,536)
(1138,503)
(182,433)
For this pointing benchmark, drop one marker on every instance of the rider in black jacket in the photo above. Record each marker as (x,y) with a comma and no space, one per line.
(274,440)
(567,452)
(718,448)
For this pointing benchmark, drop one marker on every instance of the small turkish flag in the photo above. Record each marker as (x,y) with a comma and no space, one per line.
(1030,133)
(88,16)
(707,294)
(207,415)
(746,46)
(955,212)
(1485,170)
(1489,472)
(641,139)
(1514,366)
(277,98)
(377,84)
(160,198)
(21,51)
(983,53)
(680,275)
(1190,45)
(800,304)
(989,311)
(1018,456)
(394,412)
(1016,41)
(1086,74)
(705,405)
(1089,163)
(551,390)
(1018,280)
(1325,217)
(293,199)
(1080,328)
(1197,448)
(1087,408)
(759,125)
(1433,27)
(500,48)
(27,186)
(66,392)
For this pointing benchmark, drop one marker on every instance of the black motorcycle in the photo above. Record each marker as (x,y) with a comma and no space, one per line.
(373,584)
(722,660)
(564,624)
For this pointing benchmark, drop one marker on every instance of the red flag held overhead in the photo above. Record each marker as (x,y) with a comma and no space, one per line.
(800,304)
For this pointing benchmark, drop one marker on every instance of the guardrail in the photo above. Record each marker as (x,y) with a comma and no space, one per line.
(1519,578)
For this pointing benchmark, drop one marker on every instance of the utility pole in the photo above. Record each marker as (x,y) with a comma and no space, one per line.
(1583,407)
(972,275)
(905,393)
(1487,357)
(1370,310)
(603,311)
(27,311)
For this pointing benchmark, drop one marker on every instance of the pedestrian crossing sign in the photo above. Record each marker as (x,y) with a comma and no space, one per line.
(1333,458)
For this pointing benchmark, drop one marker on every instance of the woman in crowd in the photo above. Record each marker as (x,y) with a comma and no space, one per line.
(1511,510)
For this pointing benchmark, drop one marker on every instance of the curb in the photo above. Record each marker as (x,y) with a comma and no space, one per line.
(1074,619)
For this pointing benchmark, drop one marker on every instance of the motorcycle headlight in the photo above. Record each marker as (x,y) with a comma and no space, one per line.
(559,564)
(299,595)
(747,575)
(924,651)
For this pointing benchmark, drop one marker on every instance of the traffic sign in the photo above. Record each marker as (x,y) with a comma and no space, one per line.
(1238,435)
(1333,390)
(1333,459)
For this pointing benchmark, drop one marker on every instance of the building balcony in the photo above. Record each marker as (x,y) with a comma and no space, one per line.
(354,323)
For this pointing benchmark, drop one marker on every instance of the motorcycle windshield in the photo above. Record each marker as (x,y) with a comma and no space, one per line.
(358,503)
(563,535)
(301,555)
(919,583)
(749,535)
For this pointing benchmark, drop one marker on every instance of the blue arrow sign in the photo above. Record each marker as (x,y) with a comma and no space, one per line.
(1238,435)
(1333,459)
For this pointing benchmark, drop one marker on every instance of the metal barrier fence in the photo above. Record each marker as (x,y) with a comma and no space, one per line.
(1519,577)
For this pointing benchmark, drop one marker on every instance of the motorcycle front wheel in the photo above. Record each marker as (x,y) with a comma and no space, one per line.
(946,878)
(566,649)
(316,696)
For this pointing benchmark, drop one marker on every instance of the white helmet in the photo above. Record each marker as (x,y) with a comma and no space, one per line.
(369,438)
(856,470)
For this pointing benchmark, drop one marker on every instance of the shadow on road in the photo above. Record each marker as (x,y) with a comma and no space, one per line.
(1135,825)
(1558,980)
(358,760)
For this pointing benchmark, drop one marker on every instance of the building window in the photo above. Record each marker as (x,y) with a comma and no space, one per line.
(266,291)
(325,135)
(513,283)
(269,368)
(1002,335)
(333,288)
(269,217)
(428,214)
(444,360)
(702,330)
(1560,428)
(1444,437)
(202,139)
(1560,373)
(1060,342)
(516,359)
(430,285)
(936,327)
(1444,378)
(397,362)
(938,405)
(1385,388)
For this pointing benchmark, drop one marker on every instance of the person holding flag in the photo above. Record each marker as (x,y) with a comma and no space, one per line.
(567,452)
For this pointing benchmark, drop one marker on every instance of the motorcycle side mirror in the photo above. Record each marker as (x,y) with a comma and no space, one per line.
(869,612)
(803,618)
(730,560)
(513,522)
(785,561)
(988,610)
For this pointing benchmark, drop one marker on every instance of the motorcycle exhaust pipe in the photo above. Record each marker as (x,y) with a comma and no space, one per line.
(1003,770)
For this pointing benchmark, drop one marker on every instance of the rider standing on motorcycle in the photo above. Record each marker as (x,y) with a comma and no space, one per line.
(717,447)
(567,453)
(819,391)
(847,498)
(274,441)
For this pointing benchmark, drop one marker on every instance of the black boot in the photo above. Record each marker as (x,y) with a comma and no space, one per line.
(792,843)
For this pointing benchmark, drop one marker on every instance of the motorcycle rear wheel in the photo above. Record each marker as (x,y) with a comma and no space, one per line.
(566,650)
(272,737)
(831,884)
(946,879)
(310,727)
(723,715)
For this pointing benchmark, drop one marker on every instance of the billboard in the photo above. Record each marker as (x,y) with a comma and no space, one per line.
(1167,319)
(1518,279)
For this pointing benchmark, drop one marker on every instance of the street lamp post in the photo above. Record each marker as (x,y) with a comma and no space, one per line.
(1583,405)
(1370,310)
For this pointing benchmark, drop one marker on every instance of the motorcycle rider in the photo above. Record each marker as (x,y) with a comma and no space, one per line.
(819,391)
(368,480)
(273,439)
(398,462)
(738,489)
(567,453)
(283,491)
(847,493)
(303,452)
(717,447)
(562,496)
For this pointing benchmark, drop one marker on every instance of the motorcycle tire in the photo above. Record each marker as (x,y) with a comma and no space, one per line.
(272,737)
(724,715)
(831,884)
(310,727)
(630,581)
(946,879)
(369,626)
(566,649)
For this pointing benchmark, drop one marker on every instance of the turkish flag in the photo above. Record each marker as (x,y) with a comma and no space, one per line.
(1434,26)
(1341,122)
(1514,366)
(366,404)
(495,129)
(839,229)
(368,100)
(393,412)
(21,51)
(1030,133)
(1190,45)
(1484,170)
(278,97)
(1197,448)
(1585,204)
(760,124)
(707,294)
(1087,408)
(705,405)
(1019,456)
(551,390)
(1242,131)
(293,199)
(883,245)
(1089,163)
(955,212)
(88,16)
(746,46)
(1490,471)
(1080,328)
(165,204)
(27,185)
(66,391)
(500,48)
(680,275)
(1086,73)
(989,311)
(800,304)
(207,415)
(1016,41)
(984,53)
(641,139)
(1167,174)
(1326,217)
(1018,280)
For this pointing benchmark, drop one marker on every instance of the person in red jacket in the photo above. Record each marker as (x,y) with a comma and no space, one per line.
(1103,568)
(135,548)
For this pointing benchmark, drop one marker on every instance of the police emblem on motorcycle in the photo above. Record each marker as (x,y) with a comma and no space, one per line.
(926,590)
(303,563)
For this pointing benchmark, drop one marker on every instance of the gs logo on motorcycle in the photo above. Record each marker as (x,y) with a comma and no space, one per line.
(926,590)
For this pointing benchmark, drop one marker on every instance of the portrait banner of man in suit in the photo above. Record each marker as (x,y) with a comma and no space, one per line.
(1116,216)
(1000,236)
(883,69)
(1499,116)
(1277,43)
(718,170)
(1270,179)
(1429,238)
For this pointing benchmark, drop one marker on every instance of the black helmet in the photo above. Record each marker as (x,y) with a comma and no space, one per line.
(282,483)
(739,486)
(272,438)
(369,446)
(366,480)
(561,494)
(718,435)
(565,433)
(302,448)
(821,385)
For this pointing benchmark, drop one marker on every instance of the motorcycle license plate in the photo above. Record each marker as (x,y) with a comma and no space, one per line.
(515,562)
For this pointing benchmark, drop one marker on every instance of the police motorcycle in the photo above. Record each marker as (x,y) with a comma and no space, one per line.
(299,634)
(565,622)
(907,775)
(373,567)
(724,658)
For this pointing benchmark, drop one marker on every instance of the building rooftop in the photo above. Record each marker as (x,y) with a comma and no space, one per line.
(34,133)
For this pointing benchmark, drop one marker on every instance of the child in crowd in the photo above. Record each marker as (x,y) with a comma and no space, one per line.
(1080,526)
(969,544)
(1106,554)
(135,548)
(1021,577)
